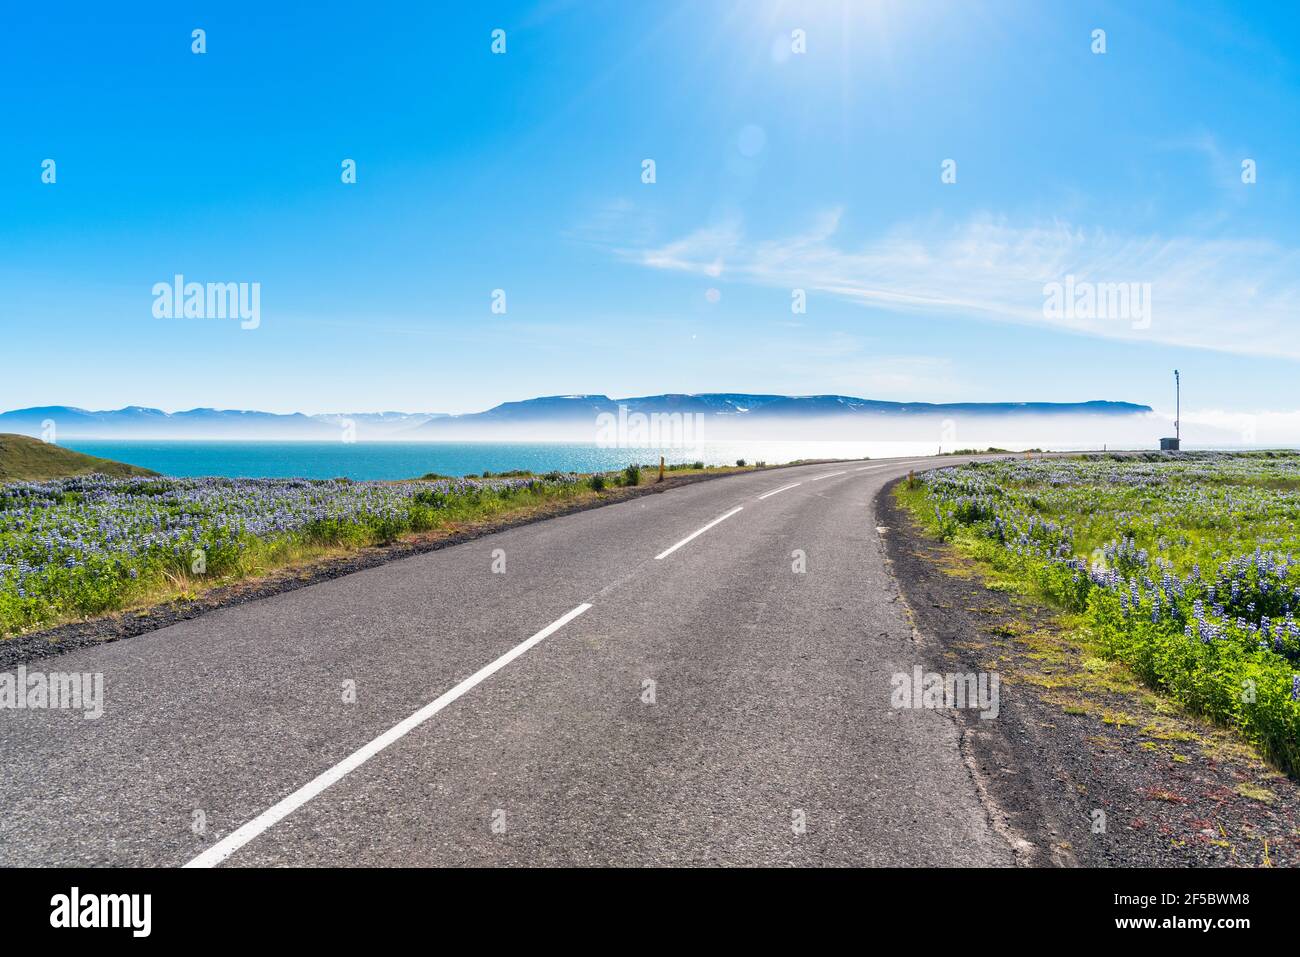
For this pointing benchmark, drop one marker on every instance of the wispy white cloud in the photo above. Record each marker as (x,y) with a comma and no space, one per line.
(1225,294)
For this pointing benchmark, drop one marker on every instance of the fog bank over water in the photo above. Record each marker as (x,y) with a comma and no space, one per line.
(898,434)
(574,450)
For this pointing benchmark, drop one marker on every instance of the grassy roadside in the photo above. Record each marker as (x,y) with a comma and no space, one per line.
(299,551)
(1079,733)
(1138,615)
(78,550)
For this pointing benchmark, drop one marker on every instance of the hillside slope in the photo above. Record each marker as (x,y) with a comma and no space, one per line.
(24,459)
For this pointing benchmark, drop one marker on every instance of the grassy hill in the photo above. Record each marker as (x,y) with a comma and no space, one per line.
(24,459)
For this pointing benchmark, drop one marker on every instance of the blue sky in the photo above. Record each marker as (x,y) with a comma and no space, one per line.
(775,170)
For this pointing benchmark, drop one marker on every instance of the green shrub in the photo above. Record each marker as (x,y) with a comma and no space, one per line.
(431,499)
(632,475)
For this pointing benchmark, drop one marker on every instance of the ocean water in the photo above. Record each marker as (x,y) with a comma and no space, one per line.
(388,461)
(403,460)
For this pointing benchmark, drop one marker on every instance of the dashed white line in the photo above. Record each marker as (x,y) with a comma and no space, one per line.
(827,475)
(267,819)
(669,551)
(781,489)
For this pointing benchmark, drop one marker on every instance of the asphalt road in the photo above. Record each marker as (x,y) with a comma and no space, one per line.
(481,735)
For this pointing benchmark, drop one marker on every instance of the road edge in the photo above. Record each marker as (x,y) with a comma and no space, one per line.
(972,738)
(116,626)
(1093,767)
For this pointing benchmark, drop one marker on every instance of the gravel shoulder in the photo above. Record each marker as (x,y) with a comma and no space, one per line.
(1077,737)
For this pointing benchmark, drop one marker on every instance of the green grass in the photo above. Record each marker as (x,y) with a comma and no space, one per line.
(25,459)
(100,559)
(1185,568)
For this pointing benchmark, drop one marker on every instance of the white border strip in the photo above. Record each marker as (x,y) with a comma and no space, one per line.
(267,819)
(667,552)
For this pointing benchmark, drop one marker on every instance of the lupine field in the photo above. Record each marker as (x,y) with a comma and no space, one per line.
(83,546)
(1186,567)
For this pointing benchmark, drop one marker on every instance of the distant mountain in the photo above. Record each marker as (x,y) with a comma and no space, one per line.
(138,422)
(520,419)
(736,407)
(376,425)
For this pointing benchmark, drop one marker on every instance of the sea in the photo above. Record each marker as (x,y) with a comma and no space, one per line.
(388,461)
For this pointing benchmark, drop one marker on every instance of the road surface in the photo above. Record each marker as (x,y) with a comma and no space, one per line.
(649,683)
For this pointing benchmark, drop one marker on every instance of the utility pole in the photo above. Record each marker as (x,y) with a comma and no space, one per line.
(1173,443)
(1178,407)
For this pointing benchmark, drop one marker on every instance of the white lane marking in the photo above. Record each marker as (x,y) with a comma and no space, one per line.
(781,489)
(866,468)
(667,552)
(827,475)
(268,819)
